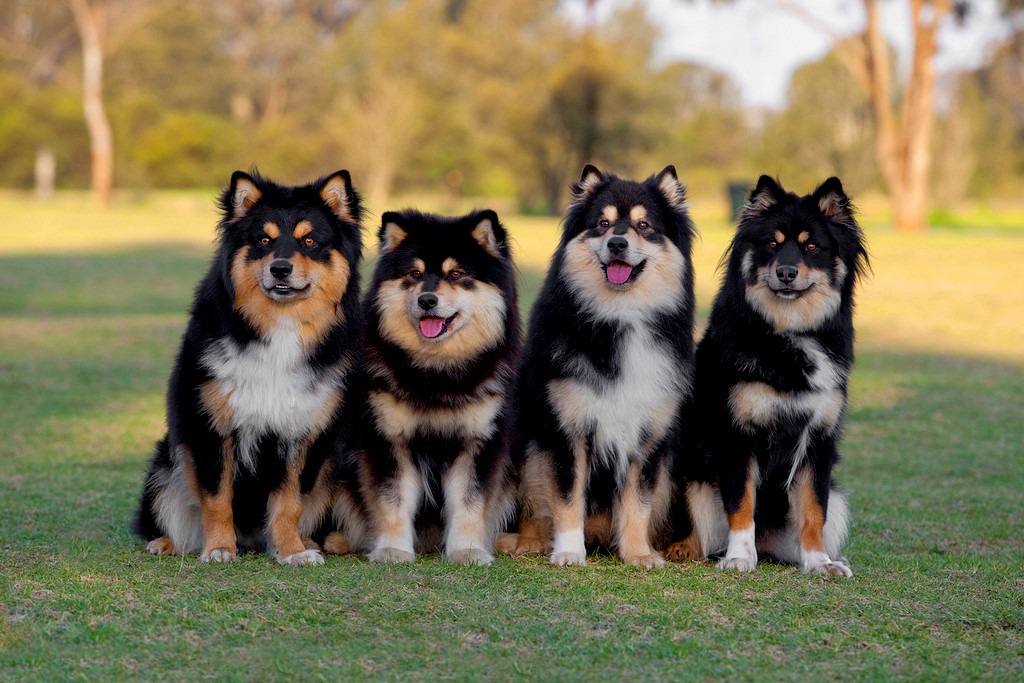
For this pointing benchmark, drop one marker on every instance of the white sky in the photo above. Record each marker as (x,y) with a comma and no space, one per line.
(760,45)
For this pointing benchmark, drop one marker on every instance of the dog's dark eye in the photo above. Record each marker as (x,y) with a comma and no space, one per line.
(309,242)
(415,275)
(265,241)
(456,275)
(773,244)
(811,247)
(643,225)
(603,223)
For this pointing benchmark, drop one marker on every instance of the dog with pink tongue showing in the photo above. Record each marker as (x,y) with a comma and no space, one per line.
(428,465)
(607,365)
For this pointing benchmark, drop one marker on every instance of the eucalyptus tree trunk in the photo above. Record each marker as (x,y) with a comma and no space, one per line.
(91,21)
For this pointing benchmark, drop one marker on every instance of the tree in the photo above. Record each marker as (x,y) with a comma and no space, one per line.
(91,21)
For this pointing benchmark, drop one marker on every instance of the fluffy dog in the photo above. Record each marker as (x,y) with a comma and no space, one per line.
(607,364)
(430,457)
(260,377)
(770,389)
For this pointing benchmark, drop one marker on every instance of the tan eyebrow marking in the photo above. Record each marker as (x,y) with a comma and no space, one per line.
(803,237)
(449,265)
(420,265)
(273,232)
(302,228)
(637,214)
(779,237)
(610,213)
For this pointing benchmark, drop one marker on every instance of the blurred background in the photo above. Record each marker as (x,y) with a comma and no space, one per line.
(917,104)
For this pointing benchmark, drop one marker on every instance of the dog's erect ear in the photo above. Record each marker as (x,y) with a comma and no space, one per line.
(589,179)
(242,195)
(391,232)
(764,196)
(832,201)
(669,185)
(488,232)
(336,191)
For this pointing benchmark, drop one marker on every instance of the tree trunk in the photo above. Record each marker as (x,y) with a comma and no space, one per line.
(90,23)
(904,145)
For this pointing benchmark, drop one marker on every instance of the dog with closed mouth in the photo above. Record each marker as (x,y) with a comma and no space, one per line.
(429,462)
(607,364)
(254,400)
(770,387)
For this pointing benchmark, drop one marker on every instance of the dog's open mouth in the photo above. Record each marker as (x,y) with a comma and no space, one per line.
(619,272)
(433,327)
(789,294)
(283,292)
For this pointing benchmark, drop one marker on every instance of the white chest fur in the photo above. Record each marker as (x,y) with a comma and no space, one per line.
(271,388)
(639,404)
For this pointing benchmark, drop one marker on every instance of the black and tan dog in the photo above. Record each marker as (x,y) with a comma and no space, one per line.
(430,450)
(770,389)
(260,377)
(607,365)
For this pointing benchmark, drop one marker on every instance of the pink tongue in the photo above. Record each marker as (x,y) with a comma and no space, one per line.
(431,327)
(618,272)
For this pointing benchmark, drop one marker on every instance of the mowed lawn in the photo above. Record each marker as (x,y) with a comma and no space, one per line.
(91,311)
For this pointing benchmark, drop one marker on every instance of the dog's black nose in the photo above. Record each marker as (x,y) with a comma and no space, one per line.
(786,273)
(617,245)
(427,301)
(280,269)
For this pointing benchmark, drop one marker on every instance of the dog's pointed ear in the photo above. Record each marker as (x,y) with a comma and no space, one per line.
(391,232)
(241,195)
(336,191)
(764,196)
(832,201)
(488,232)
(589,179)
(669,185)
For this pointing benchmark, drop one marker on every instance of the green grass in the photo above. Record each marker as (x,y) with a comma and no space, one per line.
(92,310)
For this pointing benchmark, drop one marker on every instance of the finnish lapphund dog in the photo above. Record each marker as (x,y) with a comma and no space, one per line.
(260,378)
(430,453)
(770,387)
(607,364)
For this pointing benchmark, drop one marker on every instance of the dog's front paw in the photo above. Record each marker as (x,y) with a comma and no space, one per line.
(568,559)
(651,561)
(160,546)
(391,555)
(470,556)
(739,564)
(306,557)
(218,555)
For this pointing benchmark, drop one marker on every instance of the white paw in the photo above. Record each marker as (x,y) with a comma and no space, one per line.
(218,555)
(392,555)
(739,564)
(831,568)
(306,557)
(469,556)
(568,559)
(652,561)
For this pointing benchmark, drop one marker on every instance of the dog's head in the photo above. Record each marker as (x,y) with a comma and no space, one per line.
(444,288)
(798,257)
(289,252)
(625,248)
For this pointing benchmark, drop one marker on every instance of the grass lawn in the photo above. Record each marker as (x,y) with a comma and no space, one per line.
(92,309)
